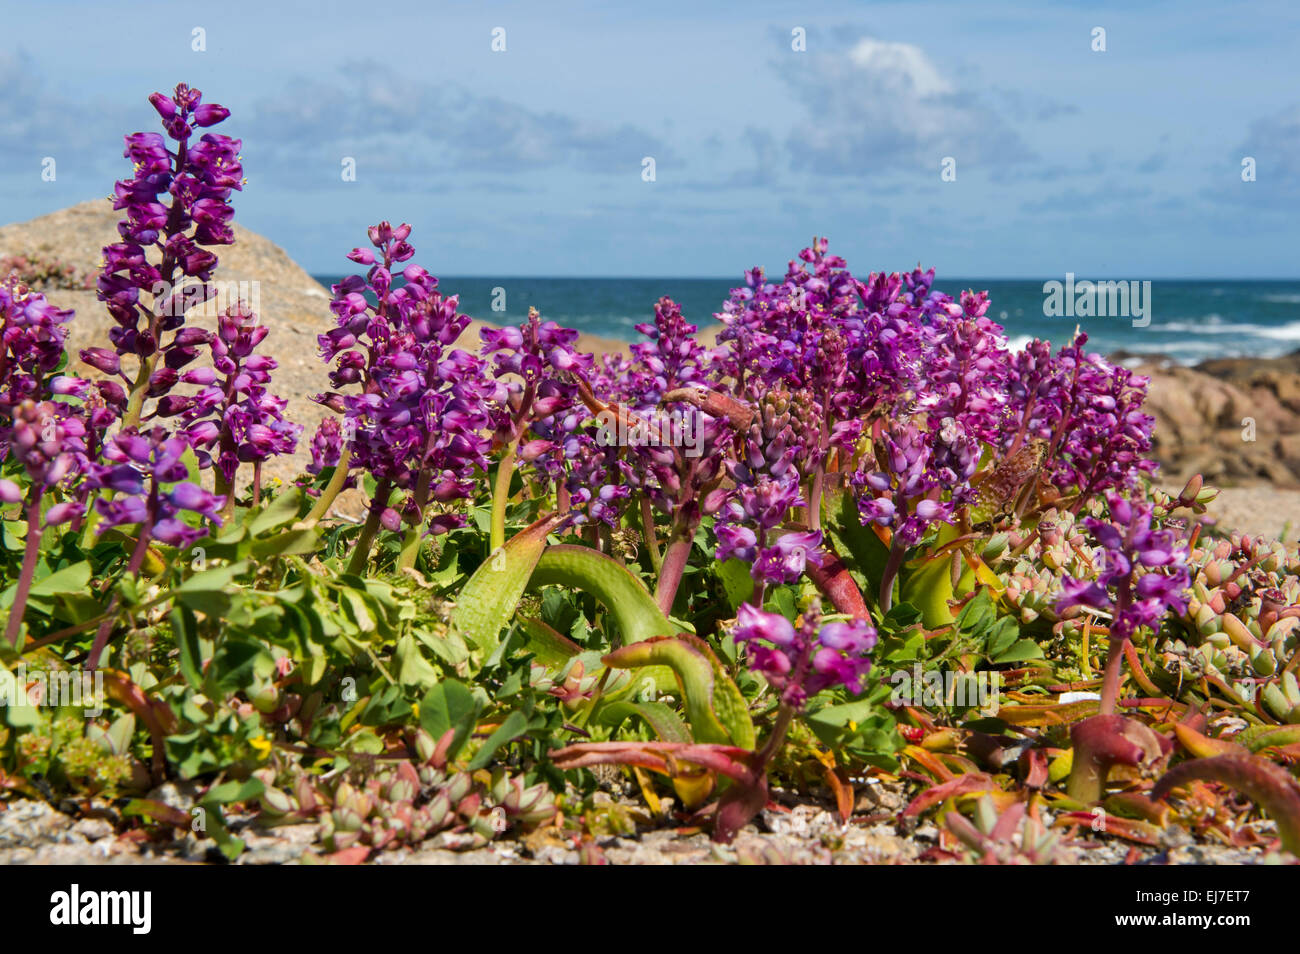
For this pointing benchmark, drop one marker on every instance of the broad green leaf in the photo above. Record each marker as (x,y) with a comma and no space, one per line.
(449,705)
(515,725)
(666,723)
(551,648)
(489,598)
(715,708)
(633,608)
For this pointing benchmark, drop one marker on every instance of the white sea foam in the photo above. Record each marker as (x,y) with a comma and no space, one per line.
(1287,332)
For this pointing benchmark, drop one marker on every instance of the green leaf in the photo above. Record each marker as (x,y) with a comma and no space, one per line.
(412,668)
(282,509)
(633,608)
(208,590)
(185,632)
(737,583)
(449,705)
(288,543)
(515,725)
(233,791)
(489,598)
(551,648)
(236,662)
(1020,650)
(715,708)
(666,723)
(71,579)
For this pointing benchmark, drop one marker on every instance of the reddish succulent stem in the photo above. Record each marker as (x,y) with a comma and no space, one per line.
(674,563)
(1115,654)
(31,554)
(892,566)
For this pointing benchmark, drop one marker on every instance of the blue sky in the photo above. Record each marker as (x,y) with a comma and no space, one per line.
(1123,163)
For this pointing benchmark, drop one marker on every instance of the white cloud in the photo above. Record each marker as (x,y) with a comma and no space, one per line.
(880,106)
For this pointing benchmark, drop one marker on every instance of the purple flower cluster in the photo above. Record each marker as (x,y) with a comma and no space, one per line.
(50,445)
(966,369)
(326,446)
(1145,568)
(802,660)
(233,412)
(32,339)
(417,423)
(672,358)
(916,468)
(531,363)
(747,530)
(197,179)
(1089,411)
(146,470)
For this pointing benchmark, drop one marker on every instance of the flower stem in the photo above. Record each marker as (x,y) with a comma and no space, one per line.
(331,491)
(1115,653)
(361,555)
(410,549)
(670,572)
(648,534)
(30,555)
(135,402)
(784,716)
(501,495)
(887,578)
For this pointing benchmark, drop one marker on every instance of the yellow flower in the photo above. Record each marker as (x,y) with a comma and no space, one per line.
(262,744)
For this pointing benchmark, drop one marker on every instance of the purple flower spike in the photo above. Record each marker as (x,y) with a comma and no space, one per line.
(803,660)
(233,414)
(1145,568)
(416,409)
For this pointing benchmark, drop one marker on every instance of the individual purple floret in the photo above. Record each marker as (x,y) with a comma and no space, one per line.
(802,660)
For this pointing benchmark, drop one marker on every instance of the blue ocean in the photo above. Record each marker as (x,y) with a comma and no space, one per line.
(1188,321)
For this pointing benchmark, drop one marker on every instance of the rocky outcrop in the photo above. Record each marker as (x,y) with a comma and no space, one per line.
(1234,422)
